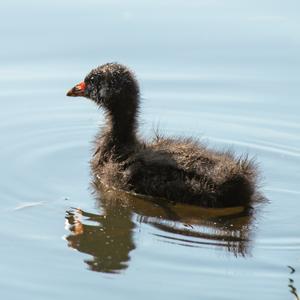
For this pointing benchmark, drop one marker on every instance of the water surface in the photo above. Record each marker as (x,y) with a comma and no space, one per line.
(225,71)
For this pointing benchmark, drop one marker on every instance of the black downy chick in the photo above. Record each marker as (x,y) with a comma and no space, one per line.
(176,169)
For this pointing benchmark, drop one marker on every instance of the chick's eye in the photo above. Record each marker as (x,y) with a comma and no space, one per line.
(92,79)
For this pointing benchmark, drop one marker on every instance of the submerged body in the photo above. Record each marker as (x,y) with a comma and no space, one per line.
(181,170)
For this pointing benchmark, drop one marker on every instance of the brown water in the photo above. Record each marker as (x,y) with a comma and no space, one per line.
(224,71)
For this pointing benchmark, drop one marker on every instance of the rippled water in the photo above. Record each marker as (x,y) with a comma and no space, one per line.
(226,71)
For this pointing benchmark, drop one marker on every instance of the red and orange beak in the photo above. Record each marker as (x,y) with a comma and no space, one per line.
(77,90)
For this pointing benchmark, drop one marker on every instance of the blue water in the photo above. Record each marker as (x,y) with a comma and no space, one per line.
(224,71)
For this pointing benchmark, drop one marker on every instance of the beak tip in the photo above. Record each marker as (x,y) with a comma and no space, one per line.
(77,90)
(72,93)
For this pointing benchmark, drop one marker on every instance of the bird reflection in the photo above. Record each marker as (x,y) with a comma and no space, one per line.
(108,236)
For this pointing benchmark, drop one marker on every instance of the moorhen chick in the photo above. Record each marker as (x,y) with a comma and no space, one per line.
(176,169)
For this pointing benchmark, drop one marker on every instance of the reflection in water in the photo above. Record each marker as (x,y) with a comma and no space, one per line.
(291,285)
(108,236)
